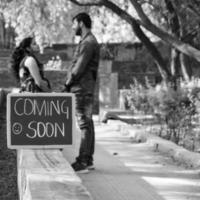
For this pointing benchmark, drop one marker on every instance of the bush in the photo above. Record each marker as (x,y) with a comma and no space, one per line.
(176,109)
(137,99)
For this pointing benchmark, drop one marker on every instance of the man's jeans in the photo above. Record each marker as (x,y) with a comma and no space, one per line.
(84,104)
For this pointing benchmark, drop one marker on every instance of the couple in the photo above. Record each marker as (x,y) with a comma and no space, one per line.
(81,79)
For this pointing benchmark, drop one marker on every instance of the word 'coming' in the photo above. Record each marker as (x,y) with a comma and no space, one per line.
(29,107)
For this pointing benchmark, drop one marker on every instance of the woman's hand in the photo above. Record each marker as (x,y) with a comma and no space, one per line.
(44,86)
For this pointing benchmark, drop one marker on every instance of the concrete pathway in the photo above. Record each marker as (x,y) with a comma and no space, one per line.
(126,170)
(113,181)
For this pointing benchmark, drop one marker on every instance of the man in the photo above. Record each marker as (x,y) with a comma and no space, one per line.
(81,81)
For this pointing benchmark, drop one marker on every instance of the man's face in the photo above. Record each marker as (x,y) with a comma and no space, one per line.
(77,28)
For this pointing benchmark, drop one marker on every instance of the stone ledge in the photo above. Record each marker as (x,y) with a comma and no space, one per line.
(141,134)
(46,175)
(127,116)
(177,153)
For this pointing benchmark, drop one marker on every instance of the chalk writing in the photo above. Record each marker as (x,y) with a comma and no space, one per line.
(40,119)
(41,129)
(46,108)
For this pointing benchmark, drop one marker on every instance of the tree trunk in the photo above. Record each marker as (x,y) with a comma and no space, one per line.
(161,64)
(7,35)
(173,22)
(185,67)
(2,31)
(184,59)
(175,62)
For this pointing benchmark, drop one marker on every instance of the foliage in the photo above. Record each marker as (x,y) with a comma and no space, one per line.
(109,28)
(48,20)
(137,98)
(176,109)
(114,21)
(174,106)
(188,13)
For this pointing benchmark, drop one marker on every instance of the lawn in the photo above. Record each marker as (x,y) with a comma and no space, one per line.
(8,163)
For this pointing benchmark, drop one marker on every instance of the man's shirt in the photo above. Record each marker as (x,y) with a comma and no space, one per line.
(83,71)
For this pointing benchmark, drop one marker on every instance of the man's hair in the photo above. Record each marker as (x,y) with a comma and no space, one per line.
(85,18)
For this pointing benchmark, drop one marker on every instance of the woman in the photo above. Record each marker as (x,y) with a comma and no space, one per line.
(27,69)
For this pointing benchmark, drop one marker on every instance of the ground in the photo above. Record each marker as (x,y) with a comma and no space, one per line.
(128,170)
(8,164)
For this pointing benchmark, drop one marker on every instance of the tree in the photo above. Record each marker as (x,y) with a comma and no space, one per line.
(145,22)
(6,31)
(110,28)
(171,21)
(48,20)
(183,25)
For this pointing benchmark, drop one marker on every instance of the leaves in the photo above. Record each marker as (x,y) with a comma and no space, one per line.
(48,20)
(110,28)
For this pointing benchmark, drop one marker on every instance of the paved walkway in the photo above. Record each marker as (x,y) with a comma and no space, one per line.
(113,181)
(130,171)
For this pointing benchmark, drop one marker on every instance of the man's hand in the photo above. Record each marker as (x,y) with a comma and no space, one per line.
(69,79)
(65,88)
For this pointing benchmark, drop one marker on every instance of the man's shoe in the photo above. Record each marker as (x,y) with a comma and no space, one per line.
(80,167)
(90,166)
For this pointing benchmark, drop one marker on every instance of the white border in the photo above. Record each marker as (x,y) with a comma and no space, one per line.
(10,146)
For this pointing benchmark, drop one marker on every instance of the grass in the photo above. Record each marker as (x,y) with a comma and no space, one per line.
(8,164)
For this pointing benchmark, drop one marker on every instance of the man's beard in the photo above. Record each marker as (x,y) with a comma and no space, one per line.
(78,31)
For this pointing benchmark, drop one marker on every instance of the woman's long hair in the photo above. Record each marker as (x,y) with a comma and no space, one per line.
(18,55)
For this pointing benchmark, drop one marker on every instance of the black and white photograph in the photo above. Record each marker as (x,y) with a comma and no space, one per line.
(99,99)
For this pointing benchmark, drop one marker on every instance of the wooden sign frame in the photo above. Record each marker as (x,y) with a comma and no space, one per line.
(27,94)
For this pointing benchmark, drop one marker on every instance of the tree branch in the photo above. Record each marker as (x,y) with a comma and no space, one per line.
(140,12)
(146,23)
(110,5)
(88,3)
(174,41)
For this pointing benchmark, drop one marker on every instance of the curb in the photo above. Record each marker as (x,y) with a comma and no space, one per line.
(177,153)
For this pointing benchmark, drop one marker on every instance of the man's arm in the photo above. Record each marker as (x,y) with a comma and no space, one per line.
(79,68)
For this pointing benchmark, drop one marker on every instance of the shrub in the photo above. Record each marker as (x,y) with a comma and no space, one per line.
(176,109)
(137,98)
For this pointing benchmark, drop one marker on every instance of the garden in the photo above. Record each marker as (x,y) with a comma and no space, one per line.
(174,101)
(177,110)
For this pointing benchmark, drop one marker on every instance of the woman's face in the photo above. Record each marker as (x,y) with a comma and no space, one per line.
(34,46)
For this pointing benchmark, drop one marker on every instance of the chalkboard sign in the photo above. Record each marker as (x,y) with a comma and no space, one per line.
(40,120)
